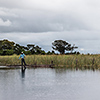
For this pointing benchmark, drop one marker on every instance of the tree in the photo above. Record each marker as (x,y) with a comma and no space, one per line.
(17,49)
(31,48)
(9,52)
(73,47)
(50,53)
(5,44)
(1,52)
(35,49)
(6,47)
(38,50)
(62,46)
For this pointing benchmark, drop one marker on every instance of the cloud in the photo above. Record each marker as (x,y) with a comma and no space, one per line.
(82,49)
(49,16)
(87,40)
(6,12)
(43,21)
(5,23)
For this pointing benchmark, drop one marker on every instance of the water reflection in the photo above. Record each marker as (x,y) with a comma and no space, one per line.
(60,70)
(49,84)
(23,73)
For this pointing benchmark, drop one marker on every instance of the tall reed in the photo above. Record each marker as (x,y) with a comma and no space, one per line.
(68,61)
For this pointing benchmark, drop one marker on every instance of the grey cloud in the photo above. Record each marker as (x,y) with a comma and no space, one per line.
(37,21)
(44,16)
(30,21)
(87,40)
(5,23)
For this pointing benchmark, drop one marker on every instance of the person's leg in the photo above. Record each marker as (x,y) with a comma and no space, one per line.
(22,62)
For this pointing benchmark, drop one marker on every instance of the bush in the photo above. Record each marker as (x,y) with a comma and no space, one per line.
(9,52)
(27,52)
(1,52)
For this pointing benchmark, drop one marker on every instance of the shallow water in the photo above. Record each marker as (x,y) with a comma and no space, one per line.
(49,84)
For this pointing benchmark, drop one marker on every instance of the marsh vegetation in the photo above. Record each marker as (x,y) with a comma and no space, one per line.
(67,61)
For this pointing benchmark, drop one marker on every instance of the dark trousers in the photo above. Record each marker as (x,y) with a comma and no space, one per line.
(23,61)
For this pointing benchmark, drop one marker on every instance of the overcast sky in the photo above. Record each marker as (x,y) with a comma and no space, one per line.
(42,21)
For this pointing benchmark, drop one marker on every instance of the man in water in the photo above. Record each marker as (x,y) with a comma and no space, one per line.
(22,56)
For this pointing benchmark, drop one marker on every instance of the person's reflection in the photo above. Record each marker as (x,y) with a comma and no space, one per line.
(23,73)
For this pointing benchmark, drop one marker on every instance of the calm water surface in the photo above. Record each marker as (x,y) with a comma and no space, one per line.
(49,84)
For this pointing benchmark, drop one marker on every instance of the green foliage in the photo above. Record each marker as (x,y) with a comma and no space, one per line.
(27,52)
(50,53)
(5,44)
(9,52)
(10,48)
(62,46)
(43,52)
(1,52)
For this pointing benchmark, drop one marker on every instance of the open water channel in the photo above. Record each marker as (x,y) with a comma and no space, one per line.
(49,84)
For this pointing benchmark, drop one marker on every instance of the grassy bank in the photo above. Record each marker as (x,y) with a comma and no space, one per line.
(69,61)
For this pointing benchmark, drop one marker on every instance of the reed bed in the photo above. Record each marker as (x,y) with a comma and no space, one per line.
(67,61)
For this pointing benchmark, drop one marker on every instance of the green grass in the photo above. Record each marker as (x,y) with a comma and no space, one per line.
(67,61)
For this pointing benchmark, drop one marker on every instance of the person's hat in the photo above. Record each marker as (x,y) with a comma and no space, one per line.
(21,52)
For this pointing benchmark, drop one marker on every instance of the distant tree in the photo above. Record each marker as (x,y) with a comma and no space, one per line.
(43,52)
(6,47)
(49,53)
(17,49)
(53,52)
(35,49)
(5,44)
(9,52)
(27,52)
(62,46)
(1,52)
(38,50)
(31,48)
(9,48)
(73,47)
(77,53)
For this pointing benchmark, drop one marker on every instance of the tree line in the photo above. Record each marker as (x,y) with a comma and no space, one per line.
(9,48)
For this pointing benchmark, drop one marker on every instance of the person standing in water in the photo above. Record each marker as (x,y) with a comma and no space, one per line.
(22,56)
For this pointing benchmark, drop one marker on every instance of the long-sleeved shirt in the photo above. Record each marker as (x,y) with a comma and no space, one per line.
(22,56)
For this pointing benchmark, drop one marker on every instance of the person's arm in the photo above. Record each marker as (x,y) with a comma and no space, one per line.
(24,55)
(20,57)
